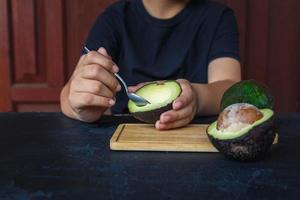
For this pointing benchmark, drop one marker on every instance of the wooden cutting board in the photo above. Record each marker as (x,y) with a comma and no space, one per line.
(144,137)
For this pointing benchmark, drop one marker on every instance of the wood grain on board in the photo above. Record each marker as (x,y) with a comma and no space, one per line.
(144,137)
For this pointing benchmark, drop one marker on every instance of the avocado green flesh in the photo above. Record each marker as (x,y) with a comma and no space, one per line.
(159,95)
(223,135)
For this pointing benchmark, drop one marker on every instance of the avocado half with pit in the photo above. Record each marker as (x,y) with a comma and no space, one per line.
(243,131)
(160,95)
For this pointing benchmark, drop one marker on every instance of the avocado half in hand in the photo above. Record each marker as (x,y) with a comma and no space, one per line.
(243,131)
(160,95)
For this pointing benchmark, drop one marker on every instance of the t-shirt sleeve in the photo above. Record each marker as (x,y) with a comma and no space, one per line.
(226,39)
(104,33)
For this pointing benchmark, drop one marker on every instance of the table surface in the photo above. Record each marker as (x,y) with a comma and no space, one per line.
(48,156)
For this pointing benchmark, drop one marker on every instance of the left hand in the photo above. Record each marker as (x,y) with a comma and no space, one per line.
(185,107)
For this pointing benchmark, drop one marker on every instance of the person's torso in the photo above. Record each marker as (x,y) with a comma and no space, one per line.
(151,49)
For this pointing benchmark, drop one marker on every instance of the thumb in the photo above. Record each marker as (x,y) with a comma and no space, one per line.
(136,87)
(132,88)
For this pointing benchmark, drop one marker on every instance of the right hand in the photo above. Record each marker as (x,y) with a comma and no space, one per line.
(93,85)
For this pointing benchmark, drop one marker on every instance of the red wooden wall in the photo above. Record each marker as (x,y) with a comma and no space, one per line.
(40,41)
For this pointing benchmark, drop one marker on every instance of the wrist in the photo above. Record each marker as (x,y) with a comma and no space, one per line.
(198,106)
(65,104)
(85,114)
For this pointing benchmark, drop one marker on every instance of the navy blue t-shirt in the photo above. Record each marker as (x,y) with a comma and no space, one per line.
(148,49)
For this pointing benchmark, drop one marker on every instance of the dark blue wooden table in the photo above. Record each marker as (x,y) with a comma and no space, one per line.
(48,156)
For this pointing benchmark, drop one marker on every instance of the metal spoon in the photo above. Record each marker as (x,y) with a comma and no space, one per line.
(138,100)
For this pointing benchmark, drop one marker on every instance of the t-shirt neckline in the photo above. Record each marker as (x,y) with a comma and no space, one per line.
(163,22)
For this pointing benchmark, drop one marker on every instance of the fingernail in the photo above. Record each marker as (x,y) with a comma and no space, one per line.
(115,68)
(112,102)
(177,104)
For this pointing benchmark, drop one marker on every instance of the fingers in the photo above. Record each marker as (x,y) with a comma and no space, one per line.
(184,109)
(91,86)
(103,51)
(106,62)
(176,115)
(81,100)
(96,72)
(136,87)
(186,95)
(175,119)
(176,124)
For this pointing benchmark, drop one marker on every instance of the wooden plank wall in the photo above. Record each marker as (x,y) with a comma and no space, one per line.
(40,45)
(40,41)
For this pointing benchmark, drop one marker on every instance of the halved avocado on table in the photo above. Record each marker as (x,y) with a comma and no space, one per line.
(160,95)
(248,142)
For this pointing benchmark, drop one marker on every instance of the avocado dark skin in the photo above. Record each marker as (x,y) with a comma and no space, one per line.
(153,115)
(252,145)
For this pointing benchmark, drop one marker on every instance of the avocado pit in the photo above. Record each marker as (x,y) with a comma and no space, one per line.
(238,116)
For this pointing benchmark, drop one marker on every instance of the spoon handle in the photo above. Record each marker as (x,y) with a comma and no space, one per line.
(117,75)
(86,50)
(122,81)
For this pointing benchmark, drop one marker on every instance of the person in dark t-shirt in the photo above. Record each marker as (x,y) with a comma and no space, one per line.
(192,41)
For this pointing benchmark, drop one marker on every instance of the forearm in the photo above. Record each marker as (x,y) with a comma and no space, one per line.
(209,96)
